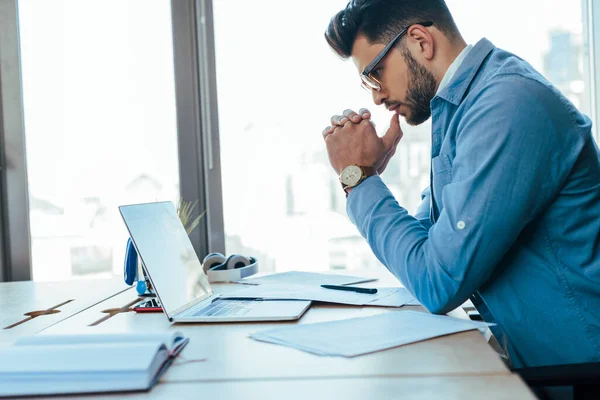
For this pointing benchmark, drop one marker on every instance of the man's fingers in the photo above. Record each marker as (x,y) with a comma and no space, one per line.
(336,120)
(383,166)
(352,116)
(328,131)
(393,135)
(364,113)
(390,140)
(339,120)
(388,157)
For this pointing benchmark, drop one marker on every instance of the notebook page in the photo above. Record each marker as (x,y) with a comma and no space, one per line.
(170,338)
(98,357)
(82,380)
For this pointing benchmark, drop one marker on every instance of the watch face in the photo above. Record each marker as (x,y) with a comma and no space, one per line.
(351,175)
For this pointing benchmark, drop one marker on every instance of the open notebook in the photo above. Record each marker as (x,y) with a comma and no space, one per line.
(86,363)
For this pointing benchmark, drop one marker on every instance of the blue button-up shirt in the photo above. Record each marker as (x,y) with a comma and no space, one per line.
(512,216)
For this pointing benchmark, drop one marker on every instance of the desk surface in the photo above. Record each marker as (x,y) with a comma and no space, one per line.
(508,387)
(223,362)
(66,298)
(231,355)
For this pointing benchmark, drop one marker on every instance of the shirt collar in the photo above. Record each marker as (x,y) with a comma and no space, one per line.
(465,72)
(453,68)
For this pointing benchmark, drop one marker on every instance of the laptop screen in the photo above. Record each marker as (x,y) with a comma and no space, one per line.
(167,253)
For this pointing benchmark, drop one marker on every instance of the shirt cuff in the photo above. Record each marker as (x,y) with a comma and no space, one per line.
(364,197)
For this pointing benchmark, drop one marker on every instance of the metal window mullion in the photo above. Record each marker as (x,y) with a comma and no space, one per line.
(210,129)
(15,232)
(197,126)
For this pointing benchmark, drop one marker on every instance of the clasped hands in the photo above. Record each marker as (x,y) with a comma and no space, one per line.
(351,139)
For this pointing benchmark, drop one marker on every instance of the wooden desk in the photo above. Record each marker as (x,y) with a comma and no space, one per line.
(232,355)
(65,298)
(460,366)
(508,387)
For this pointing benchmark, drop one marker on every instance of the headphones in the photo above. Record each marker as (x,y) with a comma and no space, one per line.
(216,266)
(131,271)
(219,268)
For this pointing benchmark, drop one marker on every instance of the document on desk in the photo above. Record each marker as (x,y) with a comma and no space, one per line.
(401,297)
(306,278)
(358,336)
(385,297)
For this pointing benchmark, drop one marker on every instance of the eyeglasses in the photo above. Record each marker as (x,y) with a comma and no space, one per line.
(369,82)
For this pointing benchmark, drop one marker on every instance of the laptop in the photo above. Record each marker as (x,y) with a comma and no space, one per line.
(178,279)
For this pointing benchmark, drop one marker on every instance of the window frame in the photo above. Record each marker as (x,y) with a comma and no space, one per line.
(15,249)
(197,134)
(197,120)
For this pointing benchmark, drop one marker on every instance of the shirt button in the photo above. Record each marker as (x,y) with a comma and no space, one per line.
(460,225)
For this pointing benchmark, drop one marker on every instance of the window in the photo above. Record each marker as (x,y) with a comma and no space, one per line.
(279,83)
(550,38)
(100,121)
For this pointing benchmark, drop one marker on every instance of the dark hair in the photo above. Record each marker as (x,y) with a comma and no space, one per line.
(381,20)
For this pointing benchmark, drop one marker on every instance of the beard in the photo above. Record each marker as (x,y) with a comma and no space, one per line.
(421,89)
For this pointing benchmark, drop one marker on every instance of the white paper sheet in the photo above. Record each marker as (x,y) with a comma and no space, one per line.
(385,297)
(413,302)
(401,297)
(357,336)
(306,278)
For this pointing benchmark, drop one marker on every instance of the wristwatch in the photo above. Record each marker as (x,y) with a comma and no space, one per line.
(352,175)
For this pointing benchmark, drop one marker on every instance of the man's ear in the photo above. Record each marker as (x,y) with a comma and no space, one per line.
(421,41)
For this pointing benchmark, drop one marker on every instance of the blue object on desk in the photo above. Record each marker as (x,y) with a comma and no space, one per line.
(131,270)
(141,288)
(131,263)
(351,288)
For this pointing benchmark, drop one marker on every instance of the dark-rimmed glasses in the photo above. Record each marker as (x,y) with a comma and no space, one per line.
(369,82)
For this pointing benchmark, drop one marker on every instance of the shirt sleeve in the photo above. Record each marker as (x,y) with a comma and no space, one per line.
(424,210)
(515,147)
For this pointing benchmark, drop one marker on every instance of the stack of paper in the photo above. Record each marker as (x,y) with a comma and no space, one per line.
(398,298)
(306,278)
(302,285)
(356,336)
(385,297)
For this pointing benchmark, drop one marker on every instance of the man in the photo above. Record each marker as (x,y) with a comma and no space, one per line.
(512,216)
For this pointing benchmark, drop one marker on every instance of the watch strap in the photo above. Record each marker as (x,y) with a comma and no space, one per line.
(368,171)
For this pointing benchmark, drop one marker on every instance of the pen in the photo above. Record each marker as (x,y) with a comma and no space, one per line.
(351,288)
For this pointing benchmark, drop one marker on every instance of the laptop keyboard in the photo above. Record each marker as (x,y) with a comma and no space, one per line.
(225,308)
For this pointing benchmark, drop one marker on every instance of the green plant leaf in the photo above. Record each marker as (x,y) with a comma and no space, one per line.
(184,211)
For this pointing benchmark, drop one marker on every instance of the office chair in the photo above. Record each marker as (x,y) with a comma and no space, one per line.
(584,378)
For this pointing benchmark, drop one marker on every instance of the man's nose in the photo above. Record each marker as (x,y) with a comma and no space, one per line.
(378,97)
